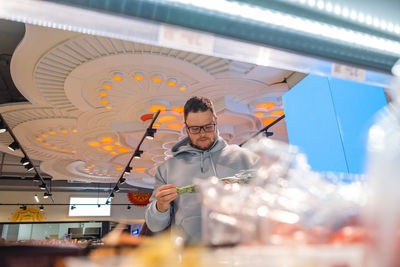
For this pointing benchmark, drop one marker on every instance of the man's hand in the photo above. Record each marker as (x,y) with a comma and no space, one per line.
(164,195)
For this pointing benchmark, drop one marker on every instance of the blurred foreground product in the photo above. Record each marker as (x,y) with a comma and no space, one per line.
(116,242)
(166,249)
(383,211)
(286,203)
(45,253)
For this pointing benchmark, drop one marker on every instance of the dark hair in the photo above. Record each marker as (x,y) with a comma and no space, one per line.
(198,103)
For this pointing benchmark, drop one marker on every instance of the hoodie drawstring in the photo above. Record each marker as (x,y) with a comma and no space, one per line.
(212,164)
(201,162)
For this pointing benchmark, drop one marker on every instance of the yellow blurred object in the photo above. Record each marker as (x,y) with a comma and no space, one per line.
(166,250)
(30,214)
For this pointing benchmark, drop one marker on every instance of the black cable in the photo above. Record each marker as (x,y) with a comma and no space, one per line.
(265,129)
(26,156)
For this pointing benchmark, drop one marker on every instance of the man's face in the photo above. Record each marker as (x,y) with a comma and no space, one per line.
(204,138)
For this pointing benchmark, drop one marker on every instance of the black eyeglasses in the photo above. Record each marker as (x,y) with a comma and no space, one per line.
(197,129)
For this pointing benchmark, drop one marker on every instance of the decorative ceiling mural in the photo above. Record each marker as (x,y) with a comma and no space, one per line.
(93,97)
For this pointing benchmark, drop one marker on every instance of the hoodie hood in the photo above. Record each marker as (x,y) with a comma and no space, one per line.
(184,146)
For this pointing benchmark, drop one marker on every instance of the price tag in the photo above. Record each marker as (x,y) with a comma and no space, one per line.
(347,72)
(185,39)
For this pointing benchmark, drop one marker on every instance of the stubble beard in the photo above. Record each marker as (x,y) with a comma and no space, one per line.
(202,148)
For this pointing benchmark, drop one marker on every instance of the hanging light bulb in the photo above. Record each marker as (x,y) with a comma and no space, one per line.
(3,127)
(150,133)
(24,161)
(29,167)
(128,170)
(13,146)
(138,154)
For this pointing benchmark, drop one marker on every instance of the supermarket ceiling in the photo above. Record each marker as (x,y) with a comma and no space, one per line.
(90,99)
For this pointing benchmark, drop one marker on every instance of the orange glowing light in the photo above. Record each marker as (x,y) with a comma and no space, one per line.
(39,139)
(64,131)
(267,121)
(113,153)
(106,139)
(105,101)
(94,143)
(156,125)
(265,105)
(146,117)
(277,113)
(52,132)
(54,147)
(104,94)
(109,147)
(171,82)
(165,119)
(117,78)
(108,107)
(117,143)
(107,86)
(119,168)
(177,109)
(157,79)
(138,76)
(64,150)
(123,149)
(46,144)
(74,130)
(182,88)
(259,114)
(174,126)
(45,135)
(156,108)
(139,169)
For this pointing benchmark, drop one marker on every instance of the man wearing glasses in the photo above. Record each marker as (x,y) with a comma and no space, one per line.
(202,154)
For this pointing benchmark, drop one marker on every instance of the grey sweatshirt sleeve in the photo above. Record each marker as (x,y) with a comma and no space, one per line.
(156,220)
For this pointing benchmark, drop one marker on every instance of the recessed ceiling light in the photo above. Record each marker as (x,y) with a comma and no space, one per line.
(171,82)
(265,105)
(117,76)
(105,100)
(103,92)
(138,76)
(183,87)
(107,85)
(94,143)
(106,139)
(156,108)
(157,78)
(165,119)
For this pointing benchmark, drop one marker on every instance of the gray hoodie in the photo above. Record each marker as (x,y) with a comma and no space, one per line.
(221,160)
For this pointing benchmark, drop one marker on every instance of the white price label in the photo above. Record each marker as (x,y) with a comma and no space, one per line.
(347,72)
(185,39)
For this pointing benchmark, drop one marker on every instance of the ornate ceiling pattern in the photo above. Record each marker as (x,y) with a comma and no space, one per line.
(93,97)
